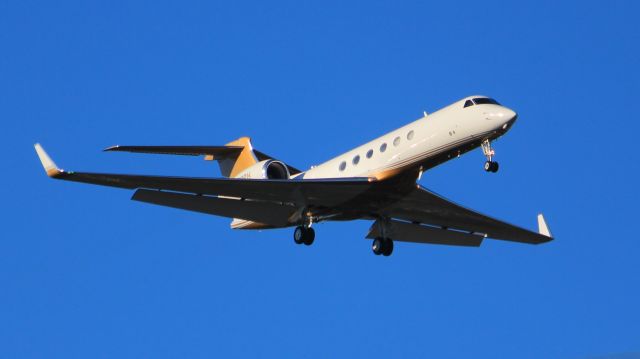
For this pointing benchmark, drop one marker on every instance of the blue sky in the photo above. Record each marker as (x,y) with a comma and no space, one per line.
(85,272)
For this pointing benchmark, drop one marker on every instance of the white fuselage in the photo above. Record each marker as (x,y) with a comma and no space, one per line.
(443,131)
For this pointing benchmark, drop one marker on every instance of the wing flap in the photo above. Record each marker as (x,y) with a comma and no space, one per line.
(273,214)
(409,232)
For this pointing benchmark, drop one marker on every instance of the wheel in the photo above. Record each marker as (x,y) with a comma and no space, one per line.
(382,246)
(304,235)
(387,247)
(309,236)
(491,166)
(299,234)
(377,246)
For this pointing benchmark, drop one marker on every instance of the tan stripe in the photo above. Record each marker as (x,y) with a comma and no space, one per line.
(398,167)
(246,158)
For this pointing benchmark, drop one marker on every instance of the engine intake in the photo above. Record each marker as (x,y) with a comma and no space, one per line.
(267,169)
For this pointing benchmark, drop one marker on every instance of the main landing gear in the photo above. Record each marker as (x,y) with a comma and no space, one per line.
(304,234)
(490,165)
(382,246)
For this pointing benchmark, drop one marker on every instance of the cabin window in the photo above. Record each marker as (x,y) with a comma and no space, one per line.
(343,165)
(396,141)
(369,153)
(383,147)
(468,103)
(410,135)
(356,160)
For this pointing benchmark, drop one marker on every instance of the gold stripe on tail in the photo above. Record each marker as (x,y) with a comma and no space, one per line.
(231,166)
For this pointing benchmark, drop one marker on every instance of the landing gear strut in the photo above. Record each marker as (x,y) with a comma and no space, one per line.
(304,235)
(490,165)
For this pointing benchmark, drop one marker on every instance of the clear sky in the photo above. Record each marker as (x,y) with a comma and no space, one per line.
(87,273)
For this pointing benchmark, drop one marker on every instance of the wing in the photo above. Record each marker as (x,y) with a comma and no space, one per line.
(298,192)
(423,206)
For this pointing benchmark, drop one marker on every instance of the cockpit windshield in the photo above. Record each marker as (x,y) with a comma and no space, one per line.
(480,101)
(485,100)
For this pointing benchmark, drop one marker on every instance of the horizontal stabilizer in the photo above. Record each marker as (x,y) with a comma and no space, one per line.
(230,152)
(409,232)
(216,151)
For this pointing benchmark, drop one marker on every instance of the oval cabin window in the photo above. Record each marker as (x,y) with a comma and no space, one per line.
(410,135)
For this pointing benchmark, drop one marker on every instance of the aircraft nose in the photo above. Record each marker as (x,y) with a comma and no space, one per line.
(504,116)
(510,115)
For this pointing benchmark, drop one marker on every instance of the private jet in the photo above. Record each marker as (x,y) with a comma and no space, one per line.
(376,181)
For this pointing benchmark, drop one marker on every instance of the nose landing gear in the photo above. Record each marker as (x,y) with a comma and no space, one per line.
(490,165)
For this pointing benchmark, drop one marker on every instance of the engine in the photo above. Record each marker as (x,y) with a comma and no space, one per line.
(267,169)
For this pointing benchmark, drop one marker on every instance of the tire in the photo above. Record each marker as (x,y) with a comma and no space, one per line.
(309,236)
(299,235)
(494,167)
(387,247)
(377,246)
(488,166)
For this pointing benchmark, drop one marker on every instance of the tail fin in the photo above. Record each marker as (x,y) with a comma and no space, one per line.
(231,166)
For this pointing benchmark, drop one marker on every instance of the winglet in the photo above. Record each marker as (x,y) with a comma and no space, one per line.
(48,164)
(542,226)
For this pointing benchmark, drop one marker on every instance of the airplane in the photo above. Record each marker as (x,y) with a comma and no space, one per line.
(376,181)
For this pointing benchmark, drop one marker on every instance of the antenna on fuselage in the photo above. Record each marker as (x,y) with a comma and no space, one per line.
(425,113)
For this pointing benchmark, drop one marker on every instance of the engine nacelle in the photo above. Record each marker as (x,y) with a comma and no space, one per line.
(267,169)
